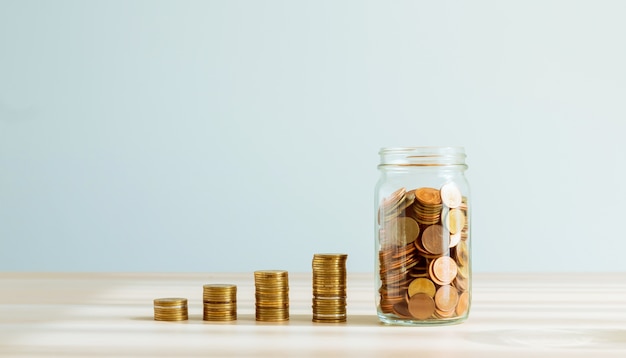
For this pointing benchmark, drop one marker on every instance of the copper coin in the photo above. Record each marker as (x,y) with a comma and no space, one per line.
(421,306)
(404,251)
(401,309)
(432,275)
(421,285)
(434,240)
(463,305)
(428,196)
(455,221)
(446,298)
(451,195)
(386,307)
(445,314)
(401,207)
(460,283)
(393,199)
(445,269)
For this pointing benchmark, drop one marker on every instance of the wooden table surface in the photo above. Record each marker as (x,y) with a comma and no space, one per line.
(513,315)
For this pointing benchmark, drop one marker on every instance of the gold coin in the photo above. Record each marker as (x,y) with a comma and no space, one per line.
(330,256)
(219,319)
(330,284)
(270,274)
(421,285)
(428,196)
(445,269)
(462,254)
(421,306)
(277,303)
(212,294)
(434,241)
(170,302)
(170,314)
(403,231)
(455,221)
(451,195)
(219,287)
(446,298)
(329,310)
(332,318)
(272,312)
(324,304)
(325,320)
(184,318)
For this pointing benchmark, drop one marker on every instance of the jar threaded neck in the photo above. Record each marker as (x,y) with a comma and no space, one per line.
(422,156)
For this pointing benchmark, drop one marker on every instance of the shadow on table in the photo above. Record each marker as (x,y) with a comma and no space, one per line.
(294,320)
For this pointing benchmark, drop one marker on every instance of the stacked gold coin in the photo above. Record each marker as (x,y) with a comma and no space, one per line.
(220,302)
(424,254)
(170,309)
(272,295)
(329,288)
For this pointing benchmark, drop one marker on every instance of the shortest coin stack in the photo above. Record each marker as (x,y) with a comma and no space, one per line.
(329,288)
(219,302)
(170,309)
(272,295)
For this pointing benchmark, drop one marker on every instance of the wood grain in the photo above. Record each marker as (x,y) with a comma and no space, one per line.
(513,315)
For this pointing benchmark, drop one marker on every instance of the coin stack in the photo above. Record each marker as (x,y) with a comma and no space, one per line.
(423,255)
(272,295)
(329,288)
(219,302)
(170,309)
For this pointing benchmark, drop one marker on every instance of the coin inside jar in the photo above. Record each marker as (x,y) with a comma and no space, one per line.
(462,254)
(421,306)
(401,309)
(428,196)
(393,200)
(455,221)
(422,235)
(455,239)
(444,269)
(446,298)
(421,285)
(451,195)
(434,241)
(463,305)
(403,231)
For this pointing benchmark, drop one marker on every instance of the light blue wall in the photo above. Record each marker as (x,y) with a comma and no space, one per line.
(243,135)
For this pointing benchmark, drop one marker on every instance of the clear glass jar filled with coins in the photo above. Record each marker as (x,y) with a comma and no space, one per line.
(423,256)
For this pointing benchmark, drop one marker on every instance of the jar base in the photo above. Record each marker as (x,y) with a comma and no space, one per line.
(393,320)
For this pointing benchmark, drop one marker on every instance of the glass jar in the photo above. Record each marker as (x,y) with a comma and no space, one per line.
(423,255)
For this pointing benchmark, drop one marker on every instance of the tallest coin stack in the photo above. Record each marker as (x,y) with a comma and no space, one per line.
(329,288)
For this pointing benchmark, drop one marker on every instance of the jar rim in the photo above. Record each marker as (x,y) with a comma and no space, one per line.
(422,156)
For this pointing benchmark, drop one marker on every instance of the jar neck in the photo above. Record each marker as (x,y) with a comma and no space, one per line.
(422,157)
